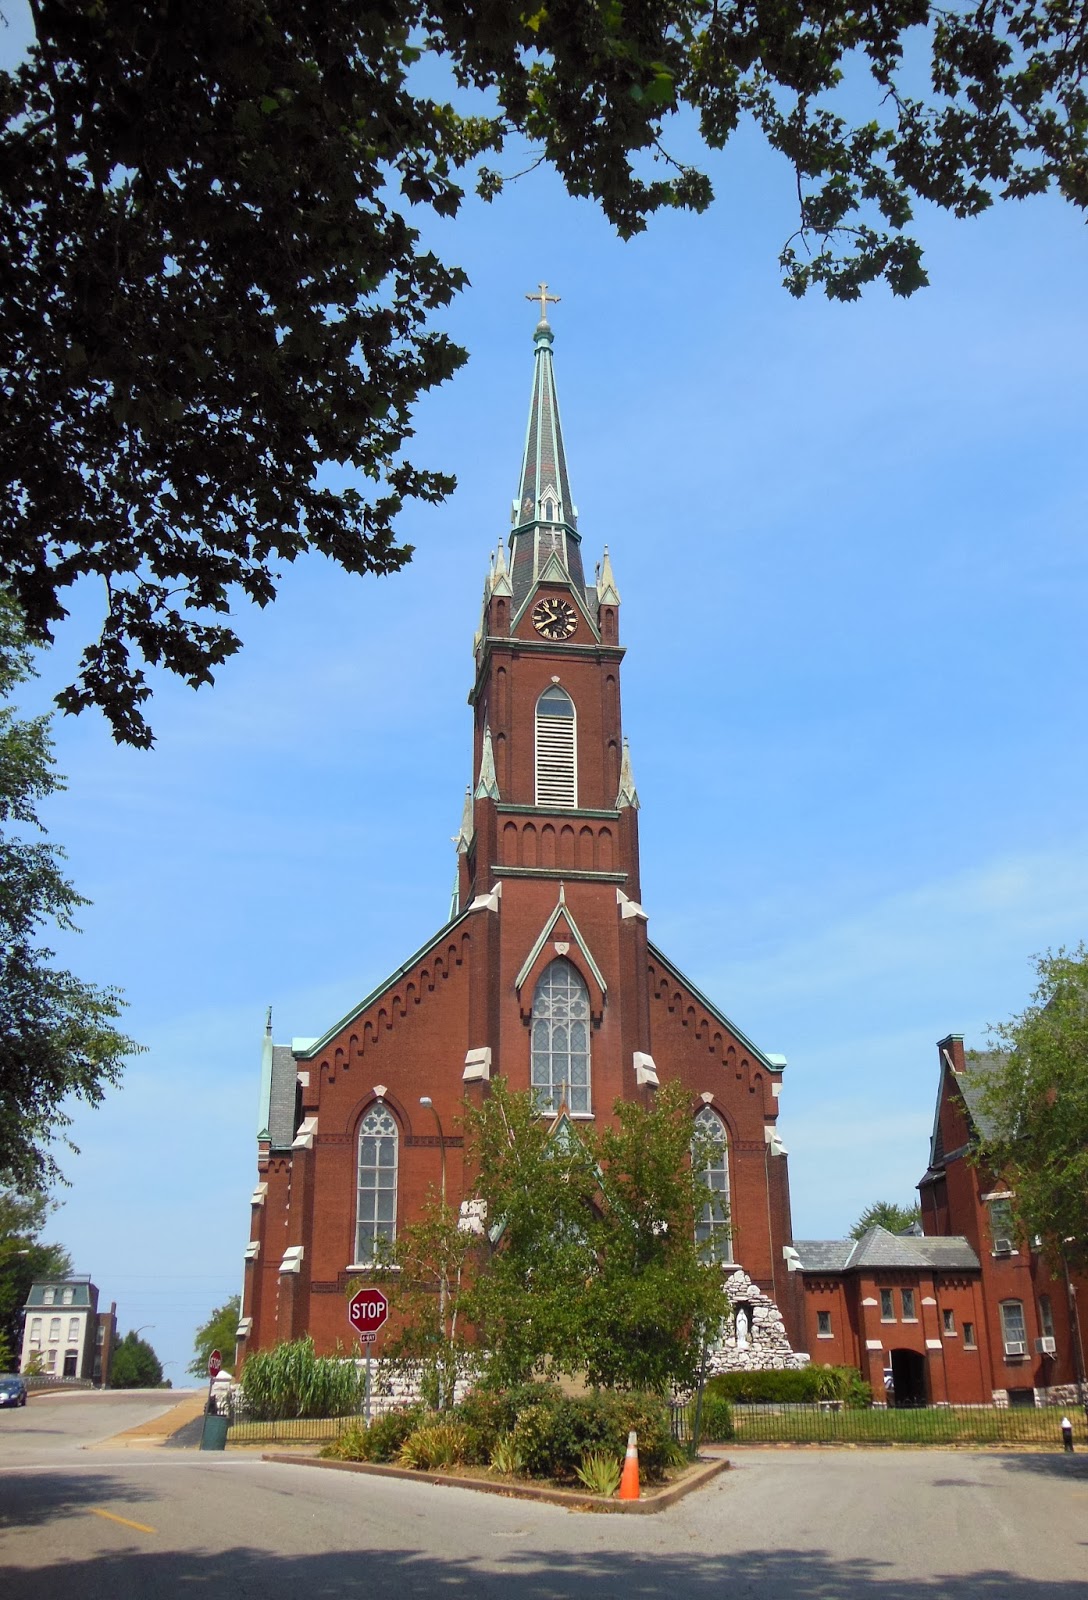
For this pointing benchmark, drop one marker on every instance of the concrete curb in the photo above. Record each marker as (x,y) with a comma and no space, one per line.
(574,1500)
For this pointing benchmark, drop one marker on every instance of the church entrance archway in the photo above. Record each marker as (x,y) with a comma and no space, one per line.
(908,1378)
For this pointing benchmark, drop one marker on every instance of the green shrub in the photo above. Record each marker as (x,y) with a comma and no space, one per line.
(715,1420)
(803,1387)
(387,1433)
(553,1436)
(381,1441)
(439,1444)
(291,1380)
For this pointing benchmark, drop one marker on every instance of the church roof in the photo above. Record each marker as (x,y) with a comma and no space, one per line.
(544,519)
(772,1063)
(282,1097)
(878,1248)
(315,1046)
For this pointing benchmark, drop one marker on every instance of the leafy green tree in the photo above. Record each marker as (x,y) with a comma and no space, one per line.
(591,1264)
(134,1365)
(57,1039)
(216,285)
(24,1260)
(1036,1100)
(652,1304)
(537,1192)
(886,1214)
(218,1333)
(426,1272)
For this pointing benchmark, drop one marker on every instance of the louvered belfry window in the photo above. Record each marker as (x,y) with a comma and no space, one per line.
(556,767)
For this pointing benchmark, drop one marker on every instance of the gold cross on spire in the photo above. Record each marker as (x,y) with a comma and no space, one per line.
(545,299)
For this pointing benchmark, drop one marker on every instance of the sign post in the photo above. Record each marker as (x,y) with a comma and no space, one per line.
(367,1312)
(215,1363)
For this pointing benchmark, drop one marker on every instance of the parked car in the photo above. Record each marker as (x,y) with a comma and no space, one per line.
(12,1390)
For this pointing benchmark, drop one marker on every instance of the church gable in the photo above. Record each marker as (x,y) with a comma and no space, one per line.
(678,1005)
(561,936)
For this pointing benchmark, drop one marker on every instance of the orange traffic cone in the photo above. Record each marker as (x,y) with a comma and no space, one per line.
(629,1481)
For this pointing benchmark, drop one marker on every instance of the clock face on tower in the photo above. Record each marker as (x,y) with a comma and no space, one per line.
(554,618)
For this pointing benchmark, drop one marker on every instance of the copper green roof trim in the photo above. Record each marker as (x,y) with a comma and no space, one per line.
(544,519)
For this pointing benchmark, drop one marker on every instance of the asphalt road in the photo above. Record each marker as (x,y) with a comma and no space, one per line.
(124,1524)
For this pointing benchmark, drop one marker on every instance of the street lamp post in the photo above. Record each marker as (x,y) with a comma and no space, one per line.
(425,1100)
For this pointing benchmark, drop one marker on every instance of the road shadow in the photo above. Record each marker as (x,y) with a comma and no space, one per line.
(28,1501)
(1059,1465)
(528,1575)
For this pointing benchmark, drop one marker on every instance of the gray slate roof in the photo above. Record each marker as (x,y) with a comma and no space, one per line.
(878,1248)
(281,1102)
(81,1294)
(972,1085)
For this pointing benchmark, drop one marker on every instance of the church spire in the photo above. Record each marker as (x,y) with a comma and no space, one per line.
(544,520)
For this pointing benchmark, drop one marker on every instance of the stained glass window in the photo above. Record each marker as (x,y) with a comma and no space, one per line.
(712,1233)
(560,1039)
(377,1214)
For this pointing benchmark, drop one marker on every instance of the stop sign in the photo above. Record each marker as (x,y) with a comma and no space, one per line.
(215,1361)
(367,1310)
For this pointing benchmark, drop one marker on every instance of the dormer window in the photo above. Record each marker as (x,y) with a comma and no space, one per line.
(556,766)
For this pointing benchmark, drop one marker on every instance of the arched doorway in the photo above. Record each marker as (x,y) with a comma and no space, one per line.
(908,1378)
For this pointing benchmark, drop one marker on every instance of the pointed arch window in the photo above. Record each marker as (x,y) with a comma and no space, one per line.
(712,1230)
(560,1039)
(556,766)
(376,1215)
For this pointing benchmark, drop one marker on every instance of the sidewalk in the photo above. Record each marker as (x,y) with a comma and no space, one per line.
(159,1430)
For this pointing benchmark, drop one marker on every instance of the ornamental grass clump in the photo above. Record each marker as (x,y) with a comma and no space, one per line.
(600,1473)
(292,1380)
(439,1444)
(505,1459)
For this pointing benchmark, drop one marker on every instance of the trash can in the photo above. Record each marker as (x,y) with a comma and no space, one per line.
(214,1436)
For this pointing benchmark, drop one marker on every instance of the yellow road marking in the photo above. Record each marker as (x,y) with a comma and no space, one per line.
(141,1527)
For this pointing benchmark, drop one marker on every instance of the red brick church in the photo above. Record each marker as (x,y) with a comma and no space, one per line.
(545,972)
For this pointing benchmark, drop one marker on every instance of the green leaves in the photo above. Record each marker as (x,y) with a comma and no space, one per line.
(214,284)
(1036,1099)
(57,1037)
(593,1267)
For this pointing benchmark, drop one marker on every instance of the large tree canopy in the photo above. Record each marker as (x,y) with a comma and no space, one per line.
(57,1038)
(1036,1097)
(214,288)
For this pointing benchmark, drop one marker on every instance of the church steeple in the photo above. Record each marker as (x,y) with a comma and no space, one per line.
(544,521)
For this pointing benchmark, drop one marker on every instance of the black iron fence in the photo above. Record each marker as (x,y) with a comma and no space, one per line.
(829,1423)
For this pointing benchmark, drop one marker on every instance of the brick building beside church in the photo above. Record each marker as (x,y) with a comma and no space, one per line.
(963,1311)
(545,972)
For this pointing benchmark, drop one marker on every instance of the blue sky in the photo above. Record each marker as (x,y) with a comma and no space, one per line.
(850,545)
